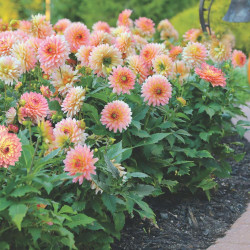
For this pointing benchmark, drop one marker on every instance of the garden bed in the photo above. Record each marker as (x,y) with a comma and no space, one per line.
(192,222)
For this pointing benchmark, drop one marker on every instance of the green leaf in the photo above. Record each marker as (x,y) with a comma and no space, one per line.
(109,201)
(54,105)
(35,233)
(111,168)
(207,184)
(27,154)
(239,157)
(204,154)
(182,132)
(119,220)
(170,184)
(153,139)
(143,190)
(46,160)
(17,213)
(136,175)
(101,96)
(140,133)
(210,112)
(91,111)
(79,220)
(4,203)
(66,210)
(21,191)
(4,245)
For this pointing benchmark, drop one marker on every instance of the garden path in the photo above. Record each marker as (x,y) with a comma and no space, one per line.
(238,236)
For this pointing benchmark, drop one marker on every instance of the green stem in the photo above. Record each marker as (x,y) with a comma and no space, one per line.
(30,135)
(147,118)
(33,158)
(5,96)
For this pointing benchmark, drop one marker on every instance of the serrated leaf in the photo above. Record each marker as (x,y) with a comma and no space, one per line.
(35,233)
(21,191)
(17,213)
(137,175)
(111,168)
(109,201)
(154,138)
(142,190)
(204,154)
(66,210)
(140,133)
(79,220)
(4,203)
(54,105)
(207,184)
(119,220)
(91,111)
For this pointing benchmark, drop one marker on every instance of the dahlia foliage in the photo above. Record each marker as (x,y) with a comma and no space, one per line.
(93,120)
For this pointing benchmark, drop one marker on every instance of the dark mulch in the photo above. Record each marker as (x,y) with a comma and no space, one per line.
(192,222)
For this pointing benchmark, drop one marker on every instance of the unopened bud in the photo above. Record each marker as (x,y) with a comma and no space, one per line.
(182,101)
(22,102)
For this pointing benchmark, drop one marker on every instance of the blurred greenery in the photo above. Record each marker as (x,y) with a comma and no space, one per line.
(92,11)
(190,19)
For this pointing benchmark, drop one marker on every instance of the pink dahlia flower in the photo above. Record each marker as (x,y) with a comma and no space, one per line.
(77,34)
(101,26)
(35,107)
(68,131)
(53,53)
(62,25)
(145,26)
(10,149)
(116,115)
(122,80)
(83,55)
(194,54)
(211,74)
(73,101)
(80,160)
(238,58)
(137,65)
(10,115)
(10,69)
(156,90)
(26,55)
(163,65)
(124,20)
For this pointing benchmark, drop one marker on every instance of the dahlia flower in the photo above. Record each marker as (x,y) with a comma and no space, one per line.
(124,20)
(122,80)
(150,51)
(73,101)
(175,51)
(80,160)
(10,69)
(211,74)
(83,54)
(25,54)
(238,58)
(25,26)
(145,26)
(35,107)
(220,51)
(45,91)
(163,65)
(63,79)
(68,131)
(140,42)
(3,129)
(62,25)
(10,149)
(40,27)
(125,43)
(119,30)
(6,43)
(104,57)
(194,54)
(10,115)
(192,35)
(101,26)
(156,90)
(180,70)
(137,65)
(46,131)
(116,115)
(77,34)
(100,37)
(53,53)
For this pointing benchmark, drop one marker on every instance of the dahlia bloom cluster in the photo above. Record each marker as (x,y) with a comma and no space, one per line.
(68,58)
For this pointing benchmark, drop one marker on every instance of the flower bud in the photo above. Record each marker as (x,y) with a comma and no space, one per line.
(27,123)
(182,101)
(13,128)
(22,102)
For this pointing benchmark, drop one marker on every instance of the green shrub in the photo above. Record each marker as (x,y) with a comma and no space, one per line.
(190,19)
